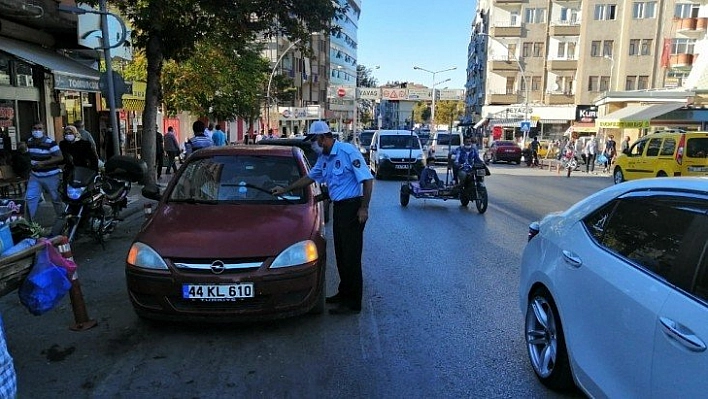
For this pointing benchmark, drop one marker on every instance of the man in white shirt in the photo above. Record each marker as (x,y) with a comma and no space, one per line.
(209,130)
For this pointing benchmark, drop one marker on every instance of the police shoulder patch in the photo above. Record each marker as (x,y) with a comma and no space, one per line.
(356,163)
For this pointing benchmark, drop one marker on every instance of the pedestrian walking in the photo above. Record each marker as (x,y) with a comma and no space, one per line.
(159,152)
(172,150)
(590,152)
(624,147)
(86,135)
(200,140)
(245,139)
(45,176)
(610,151)
(350,184)
(218,137)
(209,131)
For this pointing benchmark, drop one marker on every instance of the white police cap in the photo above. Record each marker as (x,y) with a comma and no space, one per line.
(317,128)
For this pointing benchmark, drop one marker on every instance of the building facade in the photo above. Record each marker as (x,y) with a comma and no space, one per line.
(546,55)
(343,66)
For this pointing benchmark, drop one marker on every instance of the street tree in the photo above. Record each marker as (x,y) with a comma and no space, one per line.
(448,111)
(171,29)
(365,78)
(421,112)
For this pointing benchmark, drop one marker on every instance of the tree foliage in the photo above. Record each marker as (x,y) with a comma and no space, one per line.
(365,78)
(171,30)
(448,111)
(421,112)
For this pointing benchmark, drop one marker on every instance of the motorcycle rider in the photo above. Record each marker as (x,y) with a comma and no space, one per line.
(465,154)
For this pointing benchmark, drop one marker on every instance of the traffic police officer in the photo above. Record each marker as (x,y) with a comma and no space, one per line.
(342,167)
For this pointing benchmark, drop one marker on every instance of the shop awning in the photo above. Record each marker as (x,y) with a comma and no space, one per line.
(637,116)
(481,123)
(68,74)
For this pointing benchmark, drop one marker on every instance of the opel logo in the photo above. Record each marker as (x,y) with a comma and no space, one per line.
(217,267)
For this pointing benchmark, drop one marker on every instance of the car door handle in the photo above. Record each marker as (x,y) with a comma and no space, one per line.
(682,335)
(572,259)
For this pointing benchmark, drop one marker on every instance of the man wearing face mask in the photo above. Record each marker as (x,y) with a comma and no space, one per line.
(45,175)
(465,154)
(343,168)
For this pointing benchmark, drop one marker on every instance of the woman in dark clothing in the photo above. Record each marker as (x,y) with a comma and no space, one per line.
(77,152)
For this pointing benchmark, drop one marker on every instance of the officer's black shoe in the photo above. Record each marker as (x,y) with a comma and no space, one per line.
(334,299)
(344,310)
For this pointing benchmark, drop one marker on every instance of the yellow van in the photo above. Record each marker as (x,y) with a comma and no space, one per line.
(664,154)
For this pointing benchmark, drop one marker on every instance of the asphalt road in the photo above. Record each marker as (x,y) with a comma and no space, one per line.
(440,318)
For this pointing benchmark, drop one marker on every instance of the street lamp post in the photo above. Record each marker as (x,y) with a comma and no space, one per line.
(272,73)
(432,107)
(526,83)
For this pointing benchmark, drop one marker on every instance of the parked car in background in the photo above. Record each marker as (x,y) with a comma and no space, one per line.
(500,150)
(661,154)
(363,142)
(220,247)
(615,292)
(395,152)
(424,137)
(442,143)
(548,149)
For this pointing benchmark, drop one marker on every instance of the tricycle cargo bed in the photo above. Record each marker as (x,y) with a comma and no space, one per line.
(15,268)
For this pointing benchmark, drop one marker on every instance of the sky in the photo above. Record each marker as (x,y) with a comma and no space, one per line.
(400,34)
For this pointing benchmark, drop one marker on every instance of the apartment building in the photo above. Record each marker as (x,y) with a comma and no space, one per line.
(537,59)
(343,64)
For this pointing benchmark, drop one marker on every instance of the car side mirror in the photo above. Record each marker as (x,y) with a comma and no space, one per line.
(373,148)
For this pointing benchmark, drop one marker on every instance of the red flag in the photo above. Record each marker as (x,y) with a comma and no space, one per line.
(666,53)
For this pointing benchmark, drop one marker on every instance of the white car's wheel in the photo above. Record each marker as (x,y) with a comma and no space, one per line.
(545,342)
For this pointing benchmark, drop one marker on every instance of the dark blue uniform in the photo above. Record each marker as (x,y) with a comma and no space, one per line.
(344,170)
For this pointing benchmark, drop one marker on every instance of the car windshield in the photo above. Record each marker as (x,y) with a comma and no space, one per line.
(444,139)
(237,179)
(365,138)
(402,142)
(697,148)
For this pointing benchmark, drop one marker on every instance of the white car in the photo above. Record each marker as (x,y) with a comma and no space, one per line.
(615,292)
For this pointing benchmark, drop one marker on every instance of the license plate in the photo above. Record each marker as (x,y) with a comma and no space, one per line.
(481,172)
(219,292)
(401,166)
(698,168)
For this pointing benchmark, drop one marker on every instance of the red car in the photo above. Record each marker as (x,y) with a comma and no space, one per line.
(220,247)
(507,151)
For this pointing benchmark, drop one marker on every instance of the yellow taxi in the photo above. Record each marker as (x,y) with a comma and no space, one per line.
(669,153)
(547,149)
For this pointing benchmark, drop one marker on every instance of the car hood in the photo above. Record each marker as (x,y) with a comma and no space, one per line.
(400,153)
(227,231)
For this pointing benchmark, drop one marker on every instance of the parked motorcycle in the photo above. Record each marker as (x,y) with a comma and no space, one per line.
(94,200)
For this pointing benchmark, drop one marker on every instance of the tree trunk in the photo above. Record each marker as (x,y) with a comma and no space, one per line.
(154,56)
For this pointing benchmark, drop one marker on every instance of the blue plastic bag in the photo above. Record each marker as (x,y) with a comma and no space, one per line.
(20,246)
(45,286)
(5,237)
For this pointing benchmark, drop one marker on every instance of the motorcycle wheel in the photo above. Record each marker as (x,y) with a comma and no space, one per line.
(464,199)
(405,195)
(481,201)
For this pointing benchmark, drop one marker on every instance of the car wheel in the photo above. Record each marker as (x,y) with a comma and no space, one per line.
(376,173)
(319,306)
(618,176)
(545,342)
(662,174)
(518,162)
(494,158)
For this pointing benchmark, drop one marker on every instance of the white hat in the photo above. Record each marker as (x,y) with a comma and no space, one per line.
(317,128)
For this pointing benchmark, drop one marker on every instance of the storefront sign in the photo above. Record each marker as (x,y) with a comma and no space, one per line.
(624,124)
(7,114)
(75,83)
(586,113)
(296,113)
(420,94)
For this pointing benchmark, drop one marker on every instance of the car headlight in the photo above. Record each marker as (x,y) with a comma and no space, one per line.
(362,150)
(143,256)
(296,255)
(74,192)
(420,156)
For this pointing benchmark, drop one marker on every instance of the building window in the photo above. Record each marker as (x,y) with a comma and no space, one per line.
(607,47)
(644,10)
(538,49)
(634,47)
(571,50)
(686,10)
(510,83)
(595,48)
(682,46)
(526,49)
(568,15)
(593,83)
(535,83)
(24,74)
(604,83)
(514,18)
(511,51)
(646,47)
(5,70)
(535,15)
(629,82)
(605,12)
(561,50)
(642,82)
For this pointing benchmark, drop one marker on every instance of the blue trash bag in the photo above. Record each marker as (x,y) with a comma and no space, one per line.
(45,286)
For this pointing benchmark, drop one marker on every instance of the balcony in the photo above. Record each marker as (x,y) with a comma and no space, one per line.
(681,60)
(511,98)
(505,31)
(504,66)
(559,98)
(502,3)
(563,28)
(563,65)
